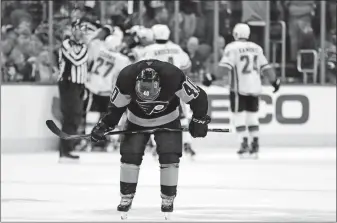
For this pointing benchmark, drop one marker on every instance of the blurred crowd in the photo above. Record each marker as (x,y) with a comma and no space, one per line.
(27,56)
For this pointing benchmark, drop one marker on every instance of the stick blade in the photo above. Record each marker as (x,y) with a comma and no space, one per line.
(54,129)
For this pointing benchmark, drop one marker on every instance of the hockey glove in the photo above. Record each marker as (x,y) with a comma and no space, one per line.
(208,79)
(276,85)
(97,134)
(198,127)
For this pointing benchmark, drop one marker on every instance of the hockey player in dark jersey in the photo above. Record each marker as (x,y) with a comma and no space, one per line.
(150,91)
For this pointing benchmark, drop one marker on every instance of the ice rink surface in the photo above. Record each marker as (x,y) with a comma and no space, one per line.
(288,184)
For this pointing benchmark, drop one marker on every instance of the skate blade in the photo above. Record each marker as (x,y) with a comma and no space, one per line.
(254,156)
(63,160)
(167,216)
(124,215)
(244,156)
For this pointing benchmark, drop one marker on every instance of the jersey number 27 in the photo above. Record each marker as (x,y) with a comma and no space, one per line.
(250,64)
(102,67)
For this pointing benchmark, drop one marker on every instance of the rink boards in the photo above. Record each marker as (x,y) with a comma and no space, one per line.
(295,116)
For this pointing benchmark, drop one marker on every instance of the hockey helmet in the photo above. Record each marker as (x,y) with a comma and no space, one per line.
(113,43)
(145,35)
(147,85)
(161,32)
(241,31)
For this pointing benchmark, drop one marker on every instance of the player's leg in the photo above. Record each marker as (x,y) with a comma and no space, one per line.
(169,148)
(237,103)
(187,139)
(72,110)
(252,121)
(132,151)
(90,119)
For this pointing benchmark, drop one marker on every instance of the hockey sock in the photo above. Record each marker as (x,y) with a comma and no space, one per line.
(169,178)
(252,120)
(241,131)
(128,178)
(253,131)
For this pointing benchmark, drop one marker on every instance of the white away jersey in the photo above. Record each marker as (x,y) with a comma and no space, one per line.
(246,60)
(105,66)
(167,52)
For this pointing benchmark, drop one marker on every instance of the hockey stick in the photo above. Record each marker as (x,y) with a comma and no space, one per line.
(53,127)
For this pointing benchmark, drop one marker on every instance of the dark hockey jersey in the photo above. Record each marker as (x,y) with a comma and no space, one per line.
(175,86)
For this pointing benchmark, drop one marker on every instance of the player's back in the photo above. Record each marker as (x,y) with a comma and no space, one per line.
(104,69)
(167,52)
(247,60)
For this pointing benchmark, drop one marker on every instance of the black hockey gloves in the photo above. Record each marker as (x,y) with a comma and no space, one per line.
(198,126)
(97,134)
(276,85)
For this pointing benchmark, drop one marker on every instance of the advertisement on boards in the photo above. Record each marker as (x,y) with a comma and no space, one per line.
(294,109)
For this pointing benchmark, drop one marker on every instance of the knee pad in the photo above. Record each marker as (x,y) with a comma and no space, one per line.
(135,159)
(169,158)
(252,119)
(239,119)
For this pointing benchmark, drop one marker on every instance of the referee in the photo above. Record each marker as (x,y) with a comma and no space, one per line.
(73,64)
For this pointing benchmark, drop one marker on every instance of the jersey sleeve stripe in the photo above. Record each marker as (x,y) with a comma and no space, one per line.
(118,99)
(225,64)
(266,66)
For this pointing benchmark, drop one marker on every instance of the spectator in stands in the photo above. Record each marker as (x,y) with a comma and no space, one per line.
(188,21)
(254,13)
(156,13)
(224,13)
(331,59)
(332,9)
(300,14)
(191,49)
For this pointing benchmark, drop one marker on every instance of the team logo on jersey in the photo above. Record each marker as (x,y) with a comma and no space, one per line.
(152,107)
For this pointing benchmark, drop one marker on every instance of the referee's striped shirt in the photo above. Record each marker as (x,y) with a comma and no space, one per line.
(73,62)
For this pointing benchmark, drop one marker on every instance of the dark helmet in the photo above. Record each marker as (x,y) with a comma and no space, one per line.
(147,85)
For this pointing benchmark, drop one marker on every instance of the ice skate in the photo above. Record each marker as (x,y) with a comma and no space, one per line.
(167,206)
(254,150)
(125,205)
(244,148)
(69,158)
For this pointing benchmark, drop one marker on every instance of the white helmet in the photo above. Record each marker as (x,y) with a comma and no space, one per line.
(113,42)
(241,31)
(146,34)
(161,32)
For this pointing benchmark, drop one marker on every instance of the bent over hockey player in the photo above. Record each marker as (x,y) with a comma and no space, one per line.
(150,91)
(243,61)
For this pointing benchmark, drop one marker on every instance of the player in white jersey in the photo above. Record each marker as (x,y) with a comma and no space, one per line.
(165,50)
(244,62)
(145,37)
(105,63)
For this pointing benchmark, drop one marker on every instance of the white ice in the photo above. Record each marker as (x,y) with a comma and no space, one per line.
(290,184)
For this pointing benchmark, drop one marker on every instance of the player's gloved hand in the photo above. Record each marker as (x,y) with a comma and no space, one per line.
(276,85)
(198,127)
(97,133)
(208,79)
